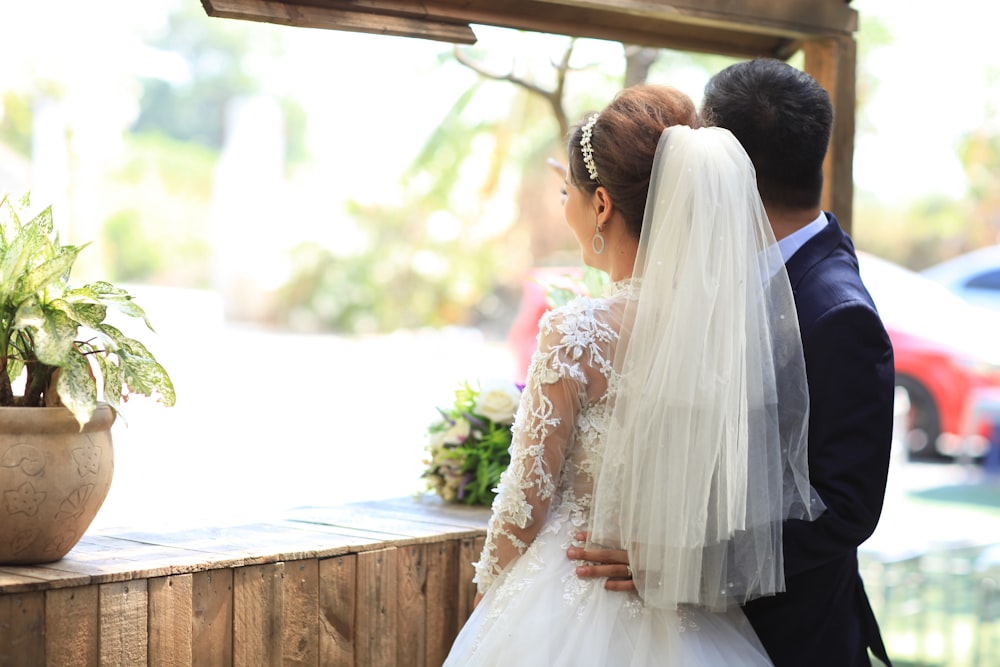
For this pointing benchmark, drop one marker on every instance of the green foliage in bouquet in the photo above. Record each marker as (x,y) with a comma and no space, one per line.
(54,336)
(469,446)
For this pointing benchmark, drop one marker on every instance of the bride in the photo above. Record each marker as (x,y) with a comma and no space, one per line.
(666,418)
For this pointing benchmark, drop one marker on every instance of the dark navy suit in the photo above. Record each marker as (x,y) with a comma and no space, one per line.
(824,617)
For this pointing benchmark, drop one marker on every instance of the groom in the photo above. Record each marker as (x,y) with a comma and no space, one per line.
(783,118)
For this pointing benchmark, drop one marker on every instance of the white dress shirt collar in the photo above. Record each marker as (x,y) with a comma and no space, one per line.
(791,243)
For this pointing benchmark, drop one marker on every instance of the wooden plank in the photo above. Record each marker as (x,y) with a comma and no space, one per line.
(123,629)
(253,544)
(22,629)
(22,579)
(394,523)
(789,15)
(337,595)
(411,606)
(212,618)
(291,14)
(442,587)
(429,508)
(71,622)
(470,550)
(300,633)
(170,625)
(747,28)
(258,614)
(375,635)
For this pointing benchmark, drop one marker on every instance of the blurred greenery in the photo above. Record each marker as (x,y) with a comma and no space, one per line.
(476,208)
(419,263)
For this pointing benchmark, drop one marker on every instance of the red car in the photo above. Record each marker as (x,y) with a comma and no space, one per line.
(945,351)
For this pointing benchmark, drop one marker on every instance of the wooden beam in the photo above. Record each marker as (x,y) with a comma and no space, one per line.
(308,16)
(789,18)
(750,28)
(832,62)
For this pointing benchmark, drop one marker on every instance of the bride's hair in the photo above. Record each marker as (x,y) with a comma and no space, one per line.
(624,140)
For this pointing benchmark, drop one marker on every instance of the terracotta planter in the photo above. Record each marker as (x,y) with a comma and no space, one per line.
(53,479)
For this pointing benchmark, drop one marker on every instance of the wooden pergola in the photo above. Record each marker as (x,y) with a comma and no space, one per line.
(822,29)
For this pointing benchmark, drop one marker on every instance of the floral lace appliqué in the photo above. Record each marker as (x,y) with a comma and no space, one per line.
(555,449)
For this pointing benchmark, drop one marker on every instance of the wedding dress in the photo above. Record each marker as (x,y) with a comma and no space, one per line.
(667,418)
(537,611)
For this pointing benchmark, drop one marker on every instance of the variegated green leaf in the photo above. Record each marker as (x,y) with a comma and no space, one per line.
(43,221)
(112,381)
(10,224)
(90,315)
(53,332)
(113,334)
(143,374)
(117,298)
(14,367)
(51,270)
(77,389)
(13,265)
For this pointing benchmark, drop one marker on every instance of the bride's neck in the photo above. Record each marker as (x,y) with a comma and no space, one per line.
(621,263)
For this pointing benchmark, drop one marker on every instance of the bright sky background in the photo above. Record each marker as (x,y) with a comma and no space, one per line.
(933,86)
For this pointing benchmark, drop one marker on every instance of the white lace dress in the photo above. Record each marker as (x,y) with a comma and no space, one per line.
(536,611)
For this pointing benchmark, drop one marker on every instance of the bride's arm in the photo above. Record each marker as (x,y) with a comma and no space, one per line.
(542,432)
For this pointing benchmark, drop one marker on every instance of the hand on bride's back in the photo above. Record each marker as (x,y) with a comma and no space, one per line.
(610,563)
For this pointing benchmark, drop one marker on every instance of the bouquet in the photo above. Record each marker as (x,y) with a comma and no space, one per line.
(469,445)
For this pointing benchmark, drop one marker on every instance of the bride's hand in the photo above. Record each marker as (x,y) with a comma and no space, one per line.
(610,563)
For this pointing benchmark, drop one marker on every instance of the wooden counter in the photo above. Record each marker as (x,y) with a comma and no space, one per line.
(368,584)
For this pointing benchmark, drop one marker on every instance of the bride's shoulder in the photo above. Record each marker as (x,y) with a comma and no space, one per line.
(584,315)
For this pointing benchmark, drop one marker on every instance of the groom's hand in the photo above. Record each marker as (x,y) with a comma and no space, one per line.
(610,563)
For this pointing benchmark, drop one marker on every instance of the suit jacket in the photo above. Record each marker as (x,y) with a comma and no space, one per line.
(824,617)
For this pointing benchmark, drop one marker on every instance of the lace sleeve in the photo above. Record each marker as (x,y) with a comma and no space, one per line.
(554,392)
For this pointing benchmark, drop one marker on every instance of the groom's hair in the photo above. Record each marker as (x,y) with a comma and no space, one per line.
(783,118)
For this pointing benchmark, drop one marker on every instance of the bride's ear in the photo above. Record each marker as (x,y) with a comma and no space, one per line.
(603,205)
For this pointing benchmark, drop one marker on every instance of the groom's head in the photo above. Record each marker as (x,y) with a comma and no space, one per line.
(783,118)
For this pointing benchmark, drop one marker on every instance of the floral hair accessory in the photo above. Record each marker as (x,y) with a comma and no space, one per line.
(587,149)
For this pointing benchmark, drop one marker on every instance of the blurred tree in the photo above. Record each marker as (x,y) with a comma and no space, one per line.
(156,229)
(430,260)
(222,62)
(980,154)
(16,122)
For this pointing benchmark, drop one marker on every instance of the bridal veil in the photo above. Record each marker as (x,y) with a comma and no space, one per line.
(706,452)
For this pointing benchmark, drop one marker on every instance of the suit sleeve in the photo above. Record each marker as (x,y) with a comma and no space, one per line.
(849,366)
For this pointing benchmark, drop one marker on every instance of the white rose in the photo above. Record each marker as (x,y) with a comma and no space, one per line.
(457,434)
(498,402)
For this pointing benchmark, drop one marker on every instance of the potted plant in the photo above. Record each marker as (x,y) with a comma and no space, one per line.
(56,458)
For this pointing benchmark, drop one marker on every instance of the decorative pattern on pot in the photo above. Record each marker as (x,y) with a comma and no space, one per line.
(53,480)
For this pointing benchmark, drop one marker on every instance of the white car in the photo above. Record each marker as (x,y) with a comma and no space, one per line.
(974,276)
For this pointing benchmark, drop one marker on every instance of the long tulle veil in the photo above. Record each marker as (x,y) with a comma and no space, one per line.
(706,450)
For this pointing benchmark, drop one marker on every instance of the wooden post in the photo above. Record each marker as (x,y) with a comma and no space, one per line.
(22,629)
(71,637)
(337,610)
(375,636)
(411,606)
(170,623)
(123,630)
(443,620)
(832,62)
(212,617)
